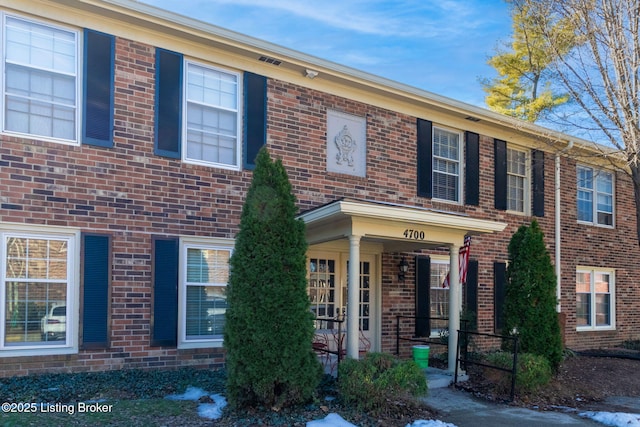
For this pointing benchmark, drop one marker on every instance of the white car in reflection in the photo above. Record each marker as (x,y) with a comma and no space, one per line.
(53,325)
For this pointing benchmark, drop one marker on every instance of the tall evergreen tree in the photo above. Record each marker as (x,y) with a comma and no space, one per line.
(530,301)
(269,324)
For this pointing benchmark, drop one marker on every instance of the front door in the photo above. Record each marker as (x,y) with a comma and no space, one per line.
(328,290)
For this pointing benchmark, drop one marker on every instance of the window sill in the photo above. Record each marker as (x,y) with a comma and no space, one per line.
(609,227)
(596,329)
(41,351)
(214,343)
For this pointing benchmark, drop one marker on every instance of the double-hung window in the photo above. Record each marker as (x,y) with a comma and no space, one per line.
(447,159)
(595,302)
(40,80)
(212,116)
(203,296)
(595,196)
(517,182)
(37,292)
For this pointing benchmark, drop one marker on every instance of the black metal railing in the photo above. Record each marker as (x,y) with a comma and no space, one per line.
(431,340)
(462,356)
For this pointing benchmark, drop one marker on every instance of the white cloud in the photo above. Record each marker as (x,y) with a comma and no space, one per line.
(405,19)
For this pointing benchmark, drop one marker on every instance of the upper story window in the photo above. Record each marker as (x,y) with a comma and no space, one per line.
(595,196)
(213,119)
(447,158)
(203,296)
(517,181)
(40,87)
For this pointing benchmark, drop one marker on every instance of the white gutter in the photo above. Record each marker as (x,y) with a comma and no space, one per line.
(558,225)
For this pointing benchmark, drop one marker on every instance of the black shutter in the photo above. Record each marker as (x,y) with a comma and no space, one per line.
(537,164)
(423,289)
(164,321)
(255,117)
(471,300)
(168,103)
(99,59)
(500,291)
(500,184)
(425,162)
(472,173)
(96,280)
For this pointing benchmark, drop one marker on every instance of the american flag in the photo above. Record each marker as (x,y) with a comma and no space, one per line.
(463,263)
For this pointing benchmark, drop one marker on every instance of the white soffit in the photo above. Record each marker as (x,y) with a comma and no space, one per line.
(399,213)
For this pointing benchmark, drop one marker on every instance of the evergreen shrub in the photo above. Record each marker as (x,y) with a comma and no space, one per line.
(378,380)
(530,301)
(533,371)
(269,324)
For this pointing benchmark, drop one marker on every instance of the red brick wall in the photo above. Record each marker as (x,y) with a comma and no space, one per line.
(130,193)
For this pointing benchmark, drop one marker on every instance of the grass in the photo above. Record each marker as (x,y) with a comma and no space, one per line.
(146,412)
(137,398)
(130,397)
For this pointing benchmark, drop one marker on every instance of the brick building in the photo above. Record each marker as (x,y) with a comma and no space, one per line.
(126,146)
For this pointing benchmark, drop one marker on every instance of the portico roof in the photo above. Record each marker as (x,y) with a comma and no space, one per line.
(399,228)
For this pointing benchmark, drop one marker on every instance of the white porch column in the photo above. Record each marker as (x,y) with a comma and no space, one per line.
(353,297)
(455,304)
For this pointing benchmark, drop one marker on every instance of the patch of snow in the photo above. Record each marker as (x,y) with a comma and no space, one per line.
(211,411)
(331,420)
(614,419)
(192,393)
(430,423)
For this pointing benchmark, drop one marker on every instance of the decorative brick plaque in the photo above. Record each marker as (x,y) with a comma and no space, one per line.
(346,143)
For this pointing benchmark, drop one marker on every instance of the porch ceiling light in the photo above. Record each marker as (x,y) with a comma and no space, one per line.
(403,267)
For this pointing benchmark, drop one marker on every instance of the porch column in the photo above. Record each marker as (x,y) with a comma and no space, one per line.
(353,297)
(455,299)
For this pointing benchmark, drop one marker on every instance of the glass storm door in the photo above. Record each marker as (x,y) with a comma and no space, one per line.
(328,290)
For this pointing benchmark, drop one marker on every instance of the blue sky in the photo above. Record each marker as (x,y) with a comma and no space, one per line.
(439,46)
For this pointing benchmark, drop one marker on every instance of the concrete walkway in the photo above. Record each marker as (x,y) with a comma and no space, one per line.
(462,409)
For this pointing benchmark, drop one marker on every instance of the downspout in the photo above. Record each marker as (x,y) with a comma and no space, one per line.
(558,225)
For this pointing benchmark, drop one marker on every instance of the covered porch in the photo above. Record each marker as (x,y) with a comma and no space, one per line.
(361,225)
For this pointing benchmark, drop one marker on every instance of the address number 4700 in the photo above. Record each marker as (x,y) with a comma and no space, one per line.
(413,234)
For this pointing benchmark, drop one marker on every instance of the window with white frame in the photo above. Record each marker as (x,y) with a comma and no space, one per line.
(439,296)
(203,291)
(37,280)
(212,113)
(40,88)
(595,196)
(517,182)
(595,302)
(447,158)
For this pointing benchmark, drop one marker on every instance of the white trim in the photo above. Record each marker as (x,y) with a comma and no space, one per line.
(79,60)
(202,243)
(396,213)
(72,237)
(526,197)
(612,301)
(461,164)
(441,260)
(594,192)
(238,112)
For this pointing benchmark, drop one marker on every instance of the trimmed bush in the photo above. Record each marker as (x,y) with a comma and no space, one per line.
(373,383)
(533,371)
(530,301)
(269,324)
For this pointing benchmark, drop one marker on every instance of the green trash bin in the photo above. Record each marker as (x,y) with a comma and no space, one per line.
(421,355)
